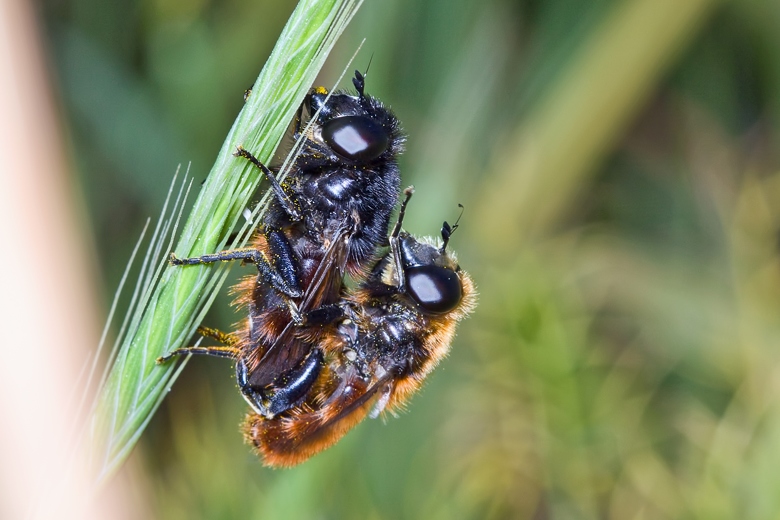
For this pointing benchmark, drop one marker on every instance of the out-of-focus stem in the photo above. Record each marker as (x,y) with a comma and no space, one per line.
(538,169)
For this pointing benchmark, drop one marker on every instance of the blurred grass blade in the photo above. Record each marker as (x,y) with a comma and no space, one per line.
(167,315)
(573,128)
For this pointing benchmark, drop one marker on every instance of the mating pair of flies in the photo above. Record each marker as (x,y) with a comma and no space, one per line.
(316,355)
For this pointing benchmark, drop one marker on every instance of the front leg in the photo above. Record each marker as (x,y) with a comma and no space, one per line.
(281,196)
(282,274)
(395,247)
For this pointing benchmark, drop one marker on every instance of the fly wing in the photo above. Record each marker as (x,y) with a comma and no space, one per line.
(287,350)
(325,287)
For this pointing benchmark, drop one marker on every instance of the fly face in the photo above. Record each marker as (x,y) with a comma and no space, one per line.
(355,130)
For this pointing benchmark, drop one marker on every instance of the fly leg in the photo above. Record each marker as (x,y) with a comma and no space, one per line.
(286,391)
(280,272)
(281,196)
(395,247)
(228,350)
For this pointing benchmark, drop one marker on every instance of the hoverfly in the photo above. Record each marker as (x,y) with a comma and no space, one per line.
(325,221)
(313,358)
(391,331)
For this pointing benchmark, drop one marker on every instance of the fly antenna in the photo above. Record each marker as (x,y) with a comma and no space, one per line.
(360,79)
(370,59)
(447,230)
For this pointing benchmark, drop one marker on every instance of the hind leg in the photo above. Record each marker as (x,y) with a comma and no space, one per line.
(228,339)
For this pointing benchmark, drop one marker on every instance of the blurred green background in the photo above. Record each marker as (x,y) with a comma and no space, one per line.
(617,164)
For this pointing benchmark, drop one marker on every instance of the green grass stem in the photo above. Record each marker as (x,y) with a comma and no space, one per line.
(170,302)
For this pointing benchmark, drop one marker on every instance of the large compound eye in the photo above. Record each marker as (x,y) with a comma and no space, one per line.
(356,137)
(435,289)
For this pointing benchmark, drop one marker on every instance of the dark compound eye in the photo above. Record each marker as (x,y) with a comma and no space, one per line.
(435,289)
(356,137)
